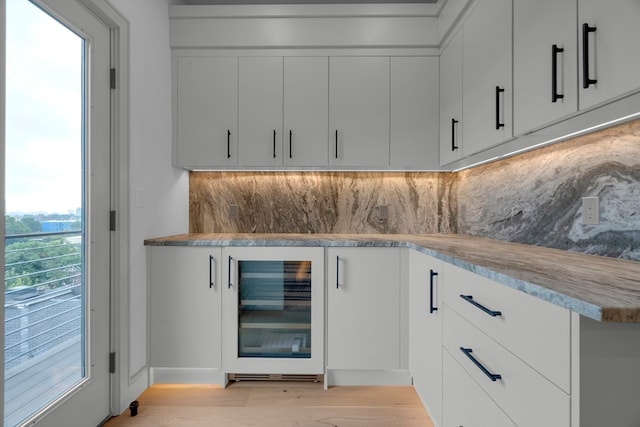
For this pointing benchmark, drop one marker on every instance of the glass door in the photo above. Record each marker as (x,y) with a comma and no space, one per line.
(57,247)
(273,311)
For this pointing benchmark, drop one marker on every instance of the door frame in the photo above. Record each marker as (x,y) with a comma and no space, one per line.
(121,383)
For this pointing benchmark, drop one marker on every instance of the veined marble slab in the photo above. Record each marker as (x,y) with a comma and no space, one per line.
(601,288)
(536,197)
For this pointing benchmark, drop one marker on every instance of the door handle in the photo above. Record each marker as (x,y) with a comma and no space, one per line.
(274,143)
(499,90)
(586,80)
(212,263)
(432,308)
(555,50)
(454,147)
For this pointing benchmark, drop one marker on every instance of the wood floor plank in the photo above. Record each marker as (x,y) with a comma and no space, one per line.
(279,404)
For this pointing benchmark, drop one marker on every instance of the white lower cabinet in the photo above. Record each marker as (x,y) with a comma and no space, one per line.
(517,388)
(516,320)
(185,314)
(465,403)
(363,316)
(273,303)
(425,331)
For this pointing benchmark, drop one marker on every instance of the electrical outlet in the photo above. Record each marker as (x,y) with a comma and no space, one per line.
(383,212)
(233,211)
(590,210)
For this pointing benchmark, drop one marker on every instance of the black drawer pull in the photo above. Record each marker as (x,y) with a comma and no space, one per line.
(229,273)
(469,299)
(467,352)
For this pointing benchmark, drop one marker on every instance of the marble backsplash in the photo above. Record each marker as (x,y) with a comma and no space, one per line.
(536,197)
(533,198)
(320,202)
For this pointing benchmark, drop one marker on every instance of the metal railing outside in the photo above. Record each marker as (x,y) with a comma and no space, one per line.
(44,306)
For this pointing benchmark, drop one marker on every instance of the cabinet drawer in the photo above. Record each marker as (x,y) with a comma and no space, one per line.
(526,397)
(537,331)
(465,403)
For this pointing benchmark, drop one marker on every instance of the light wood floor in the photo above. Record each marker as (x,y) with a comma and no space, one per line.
(280,404)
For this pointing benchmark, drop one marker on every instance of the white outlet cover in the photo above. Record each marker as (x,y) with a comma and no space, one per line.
(591,210)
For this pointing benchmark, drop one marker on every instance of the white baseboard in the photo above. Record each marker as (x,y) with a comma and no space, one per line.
(347,377)
(187,376)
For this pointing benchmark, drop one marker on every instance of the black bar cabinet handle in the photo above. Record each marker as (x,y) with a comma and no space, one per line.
(555,50)
(228,143)
(274,143)
(454,147)
(337,272)
(290,144)
(336,143)
(586,80)
(229,273)
(499,90)
(432,308)
(469,299)
(212,261)
(467,352)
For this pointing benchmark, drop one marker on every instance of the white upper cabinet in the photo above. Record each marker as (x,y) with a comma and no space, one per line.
(260,110)
(414,113)
(359,111)
(451,101)
(545,55)
(206,109)
(306,111)
(609,33)
(486,57)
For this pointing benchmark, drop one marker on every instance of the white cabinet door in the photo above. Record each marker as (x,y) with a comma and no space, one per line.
(363,308)
(272,325)
(465,403)
(487,76)
(306,111)
(359,111)
(612,49)
(414,113)
(451,101)
(206,111)
(539,69)
(185,311)
(260,111)
(425,331)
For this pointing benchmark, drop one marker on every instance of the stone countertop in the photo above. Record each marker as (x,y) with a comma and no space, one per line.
(604,289)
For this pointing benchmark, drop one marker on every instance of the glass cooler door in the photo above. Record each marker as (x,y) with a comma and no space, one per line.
(274,309)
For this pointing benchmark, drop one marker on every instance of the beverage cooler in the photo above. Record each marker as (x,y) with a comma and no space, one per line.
(273,307)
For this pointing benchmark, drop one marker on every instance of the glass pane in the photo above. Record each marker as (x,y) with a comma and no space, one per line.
(44,342)
(274,313)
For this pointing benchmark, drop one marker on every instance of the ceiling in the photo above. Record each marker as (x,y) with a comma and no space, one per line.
(231,2)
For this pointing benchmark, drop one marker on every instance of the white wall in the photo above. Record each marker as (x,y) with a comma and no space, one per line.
(158,193)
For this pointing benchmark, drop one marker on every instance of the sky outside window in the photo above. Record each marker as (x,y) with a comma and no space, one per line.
(43,113)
